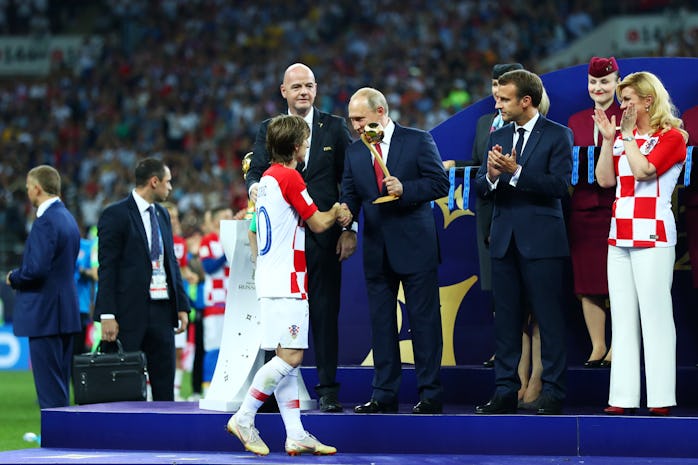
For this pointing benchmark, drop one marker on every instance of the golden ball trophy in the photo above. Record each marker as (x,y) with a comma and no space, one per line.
(246,161)
(373,134)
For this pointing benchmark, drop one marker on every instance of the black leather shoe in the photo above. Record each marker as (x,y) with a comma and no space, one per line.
(497,405)
(549,406)
(428,407)
(488,363)
(373,406)
(605,364)
(330,404)
(593,363)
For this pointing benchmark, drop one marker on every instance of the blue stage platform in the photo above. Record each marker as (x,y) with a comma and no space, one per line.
(166,426)
(169,432)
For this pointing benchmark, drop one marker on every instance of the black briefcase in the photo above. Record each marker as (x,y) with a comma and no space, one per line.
(109,377)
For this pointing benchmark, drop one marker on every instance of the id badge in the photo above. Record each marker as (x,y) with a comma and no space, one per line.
(158,283)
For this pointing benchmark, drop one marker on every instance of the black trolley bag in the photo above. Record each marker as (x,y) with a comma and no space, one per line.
(109,377)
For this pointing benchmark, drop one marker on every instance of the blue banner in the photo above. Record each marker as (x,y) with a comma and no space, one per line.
(14,351)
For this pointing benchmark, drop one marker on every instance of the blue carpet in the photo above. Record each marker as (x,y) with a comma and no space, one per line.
(73,456)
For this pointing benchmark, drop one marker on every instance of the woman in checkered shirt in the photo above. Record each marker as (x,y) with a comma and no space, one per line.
(643,162)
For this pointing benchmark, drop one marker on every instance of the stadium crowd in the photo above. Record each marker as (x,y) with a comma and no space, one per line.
(190,80)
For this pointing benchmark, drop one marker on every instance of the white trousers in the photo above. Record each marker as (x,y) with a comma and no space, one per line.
(639,285)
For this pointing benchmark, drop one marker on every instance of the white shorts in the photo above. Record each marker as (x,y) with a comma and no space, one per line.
(181,340)
(213,332)
(284,323)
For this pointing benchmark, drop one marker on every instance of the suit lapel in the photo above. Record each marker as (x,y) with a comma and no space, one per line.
(395,149)
(164,230)
(137,223)
(505,138)
(532,141)
(362,159)
(315,140)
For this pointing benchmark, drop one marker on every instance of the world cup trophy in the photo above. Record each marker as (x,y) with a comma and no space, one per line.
(373,134)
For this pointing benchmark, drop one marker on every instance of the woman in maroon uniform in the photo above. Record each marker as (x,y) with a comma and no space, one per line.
(690,195)
(590,215)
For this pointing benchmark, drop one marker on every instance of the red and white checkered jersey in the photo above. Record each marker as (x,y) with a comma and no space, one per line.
(180,250)
(642,215)
(283,204)
(216,283)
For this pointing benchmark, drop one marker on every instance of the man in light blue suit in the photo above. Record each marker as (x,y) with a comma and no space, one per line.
(46,308)
(400,246)
(527,173)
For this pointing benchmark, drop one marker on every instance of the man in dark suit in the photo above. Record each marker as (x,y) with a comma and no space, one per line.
(400,246)
(322,172)
(46,308)
(141,298)
(528,242)
(486,124)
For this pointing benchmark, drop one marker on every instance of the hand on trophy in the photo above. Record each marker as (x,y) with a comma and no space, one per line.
(393,186)
(372,135)
(246,162)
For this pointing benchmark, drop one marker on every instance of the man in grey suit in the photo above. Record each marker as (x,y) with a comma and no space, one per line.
(527,173)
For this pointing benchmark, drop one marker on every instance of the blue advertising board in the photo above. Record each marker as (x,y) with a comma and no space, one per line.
(14,351)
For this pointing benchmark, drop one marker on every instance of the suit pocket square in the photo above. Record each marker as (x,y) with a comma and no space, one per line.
(327,148)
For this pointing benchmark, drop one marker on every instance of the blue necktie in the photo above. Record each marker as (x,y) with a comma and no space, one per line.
(519,143)
(154,234)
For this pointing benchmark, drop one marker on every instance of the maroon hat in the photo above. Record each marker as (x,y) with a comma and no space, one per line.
(600,67)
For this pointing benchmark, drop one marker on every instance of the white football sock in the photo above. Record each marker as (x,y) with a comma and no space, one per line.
(265,381)
(286,393)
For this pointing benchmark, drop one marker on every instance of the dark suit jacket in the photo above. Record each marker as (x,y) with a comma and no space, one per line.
(531,212)
(405,228)
(483,206)
(330,138)
(125,269)
(482,135)
(47,301)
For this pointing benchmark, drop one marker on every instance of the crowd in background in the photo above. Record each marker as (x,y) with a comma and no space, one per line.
(190,80)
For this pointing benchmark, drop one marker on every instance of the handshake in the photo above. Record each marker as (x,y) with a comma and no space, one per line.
(342,214)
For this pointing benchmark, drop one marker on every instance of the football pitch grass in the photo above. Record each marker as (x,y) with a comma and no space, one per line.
(19,410)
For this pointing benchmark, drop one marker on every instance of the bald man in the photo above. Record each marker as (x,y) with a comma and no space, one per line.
(322,172)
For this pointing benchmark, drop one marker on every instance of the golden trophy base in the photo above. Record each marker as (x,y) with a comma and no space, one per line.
(385,198)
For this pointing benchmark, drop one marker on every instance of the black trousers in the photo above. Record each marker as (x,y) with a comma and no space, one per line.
(324,282)
(156,339)
(520,284)
(197,372)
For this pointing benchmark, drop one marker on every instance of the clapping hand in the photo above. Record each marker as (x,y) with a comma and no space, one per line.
(628,120)
(606,128)
(498,163)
